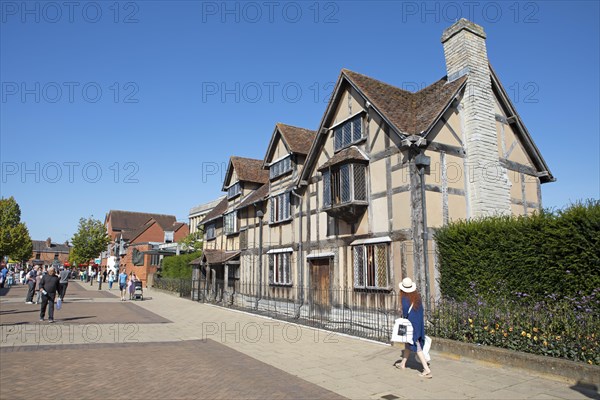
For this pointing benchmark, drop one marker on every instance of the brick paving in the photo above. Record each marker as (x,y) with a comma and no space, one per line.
(170,370)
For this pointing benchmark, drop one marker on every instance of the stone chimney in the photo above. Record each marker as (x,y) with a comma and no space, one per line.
(48,242)
(488,187)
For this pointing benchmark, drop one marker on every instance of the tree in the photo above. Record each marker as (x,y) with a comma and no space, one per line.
(89,241)
(192,242)
(15,241)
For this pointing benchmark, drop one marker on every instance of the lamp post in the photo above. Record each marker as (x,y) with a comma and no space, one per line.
(260,216)
(421,162)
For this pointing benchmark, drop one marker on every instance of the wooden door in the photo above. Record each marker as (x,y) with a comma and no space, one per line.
(320,285)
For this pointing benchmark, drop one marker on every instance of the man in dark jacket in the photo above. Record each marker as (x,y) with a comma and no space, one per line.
(49,289)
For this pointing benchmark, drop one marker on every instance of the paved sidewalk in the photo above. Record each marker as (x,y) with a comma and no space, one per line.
(222,353)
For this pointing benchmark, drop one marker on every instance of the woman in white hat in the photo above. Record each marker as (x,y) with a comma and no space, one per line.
(412,309)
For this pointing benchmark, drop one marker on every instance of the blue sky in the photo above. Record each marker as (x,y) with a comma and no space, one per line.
(138,105)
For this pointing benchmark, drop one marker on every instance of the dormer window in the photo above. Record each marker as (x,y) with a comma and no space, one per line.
(281,167)
(347,133)
(168,236)
(234,190)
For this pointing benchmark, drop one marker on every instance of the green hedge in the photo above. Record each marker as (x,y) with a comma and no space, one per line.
(178,266)
(551,252)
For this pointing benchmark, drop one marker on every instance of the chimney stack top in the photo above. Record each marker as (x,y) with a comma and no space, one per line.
(459,26)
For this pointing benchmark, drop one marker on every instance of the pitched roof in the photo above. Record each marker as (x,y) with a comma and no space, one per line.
(215,257)
(411,113)
(352,153)
(247,170)
(257,195)
(39,246)
(298,139)
(216,212)
(131,220)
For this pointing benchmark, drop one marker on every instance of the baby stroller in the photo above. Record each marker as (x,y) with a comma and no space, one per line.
(138,293)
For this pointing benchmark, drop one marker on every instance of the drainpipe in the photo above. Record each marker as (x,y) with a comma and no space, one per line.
(300,263)
(422,161)
(260,216)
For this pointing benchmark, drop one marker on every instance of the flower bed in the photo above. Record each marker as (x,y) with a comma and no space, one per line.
(566,327)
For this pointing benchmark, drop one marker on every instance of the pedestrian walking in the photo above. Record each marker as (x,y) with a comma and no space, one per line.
(104,275)
(412,309)
(49,285)
(99,279)
(10,278)
(31,284)
(38,279)
(123,284)
(63,282)
(111,279)
(3,274)
(131,285)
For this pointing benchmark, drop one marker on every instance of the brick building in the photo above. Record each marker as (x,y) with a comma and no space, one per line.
(46,253)
(136,239)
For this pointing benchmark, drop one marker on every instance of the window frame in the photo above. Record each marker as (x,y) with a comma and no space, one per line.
(275,260)
(236,192)
(280,210)
(338,132)
(274,173)
(210,228)
(230,215)
(370,274)
(332,185)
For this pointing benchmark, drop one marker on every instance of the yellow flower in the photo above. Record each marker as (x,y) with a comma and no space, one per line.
(505,334)
(510,329)
(492,331)
(523,333)
(471,325)
(485,328)
(583,348)
(590,362)
(558,338)
(535,329)
(470,321)
(497,326)
(545,343)
(529,336)
(535,338)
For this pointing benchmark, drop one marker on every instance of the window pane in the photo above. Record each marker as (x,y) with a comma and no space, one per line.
(338,138)
(356,128)
(347,133)
(370,266)
(360,183)
(359,278)
(382,265)
(345,183)
(271,268)
(280,268)
(326,189)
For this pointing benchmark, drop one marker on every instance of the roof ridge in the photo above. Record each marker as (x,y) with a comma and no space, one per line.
(378,81)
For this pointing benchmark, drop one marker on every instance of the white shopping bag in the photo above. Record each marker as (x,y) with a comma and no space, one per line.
(426,348)
(403,331)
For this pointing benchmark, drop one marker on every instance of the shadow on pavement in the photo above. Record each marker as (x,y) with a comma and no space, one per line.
(587,389)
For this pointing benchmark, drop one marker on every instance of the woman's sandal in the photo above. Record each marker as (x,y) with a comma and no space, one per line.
(426,375)
(398,364)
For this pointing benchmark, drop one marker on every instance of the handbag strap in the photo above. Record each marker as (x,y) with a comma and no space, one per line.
(410,308)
